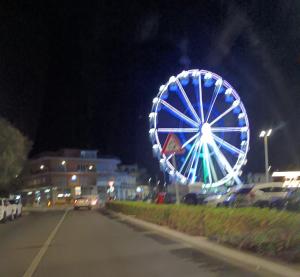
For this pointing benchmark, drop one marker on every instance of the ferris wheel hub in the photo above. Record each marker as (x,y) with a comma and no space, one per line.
(206,131)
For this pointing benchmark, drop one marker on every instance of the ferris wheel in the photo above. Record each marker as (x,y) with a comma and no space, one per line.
(208,118)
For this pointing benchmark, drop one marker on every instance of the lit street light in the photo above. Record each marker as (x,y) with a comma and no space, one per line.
(265,134)
(42,167)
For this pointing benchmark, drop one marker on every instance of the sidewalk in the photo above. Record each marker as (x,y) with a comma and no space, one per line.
(255,263)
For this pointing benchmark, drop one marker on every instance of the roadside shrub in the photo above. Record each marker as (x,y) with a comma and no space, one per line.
(265,231)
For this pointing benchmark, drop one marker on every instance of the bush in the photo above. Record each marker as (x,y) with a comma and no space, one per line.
(268,232)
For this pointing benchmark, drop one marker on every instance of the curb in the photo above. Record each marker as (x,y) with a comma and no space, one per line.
(229,255)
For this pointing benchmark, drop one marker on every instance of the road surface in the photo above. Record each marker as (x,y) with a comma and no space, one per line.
(93,243)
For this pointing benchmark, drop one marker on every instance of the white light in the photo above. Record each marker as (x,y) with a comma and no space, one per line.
(74,177)
(111,183)
(18,197)
(219,82)
(152,131)
(60,195)
(228,91)
(63,162)
(29,192)
(161,88)
(42,167)
(155,100)
(241,116)
(269,132)
(244,129)
(138,189)
(235,104)
(206,132)
(90,167)
(47,190)
(207,76)
(172,79)
(262,134)
(67,194)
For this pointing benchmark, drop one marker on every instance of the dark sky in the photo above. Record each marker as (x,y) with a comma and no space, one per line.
(83,73)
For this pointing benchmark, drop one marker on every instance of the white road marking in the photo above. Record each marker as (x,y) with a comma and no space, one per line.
(37,259)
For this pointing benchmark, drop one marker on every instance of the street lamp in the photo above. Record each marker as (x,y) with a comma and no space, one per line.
(42,167)
(265,134)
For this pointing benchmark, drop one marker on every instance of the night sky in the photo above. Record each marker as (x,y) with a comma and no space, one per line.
(83,73)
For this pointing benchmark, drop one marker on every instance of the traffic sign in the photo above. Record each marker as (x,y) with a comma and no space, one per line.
(172,145)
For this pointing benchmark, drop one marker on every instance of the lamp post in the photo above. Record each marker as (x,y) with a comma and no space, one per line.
(265,134)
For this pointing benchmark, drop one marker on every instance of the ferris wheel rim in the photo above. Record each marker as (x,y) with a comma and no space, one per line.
(196,122)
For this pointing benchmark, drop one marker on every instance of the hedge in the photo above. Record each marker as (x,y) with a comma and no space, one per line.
(264,231)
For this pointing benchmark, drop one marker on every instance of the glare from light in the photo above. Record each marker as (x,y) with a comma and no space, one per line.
(42,167)
(74,177)
(18,197)
(90,167)
(60,195)
(47,190)
(269,132)
(63,162)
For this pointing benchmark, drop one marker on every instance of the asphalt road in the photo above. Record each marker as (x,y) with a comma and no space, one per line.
(90,243)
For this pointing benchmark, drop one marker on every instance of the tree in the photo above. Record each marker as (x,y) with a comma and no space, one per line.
(14,148)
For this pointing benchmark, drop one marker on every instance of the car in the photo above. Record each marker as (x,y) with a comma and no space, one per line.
(291,202)
(239,198)
(17,207)
(262,195)
(6,210)
(215,200)
(193,198)
(82,202)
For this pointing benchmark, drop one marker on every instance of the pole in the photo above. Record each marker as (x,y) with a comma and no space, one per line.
(266,158)
(176,184)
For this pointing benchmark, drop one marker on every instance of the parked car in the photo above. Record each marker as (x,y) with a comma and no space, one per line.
(262,195)
(193,198)
(6,210)
(239,198)
(82,202)
(291,202)
(17,207)
(216,200)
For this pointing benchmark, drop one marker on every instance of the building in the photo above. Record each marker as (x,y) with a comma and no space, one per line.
(66,174)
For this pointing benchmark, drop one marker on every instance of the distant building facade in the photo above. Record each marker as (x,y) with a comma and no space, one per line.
(68,173)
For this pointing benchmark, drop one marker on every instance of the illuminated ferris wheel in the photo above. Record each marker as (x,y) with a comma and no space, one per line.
(208,118)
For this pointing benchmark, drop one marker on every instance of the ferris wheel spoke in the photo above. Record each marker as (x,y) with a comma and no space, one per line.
(223,114)
(206,161)
(185,144)
(226,129)
(213,171)
(200,99)
(179,114)
(187,157)
(195,154)
(187,100)
(228,145)
(222,160)
(214,98)
(197,160)
(177,130)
